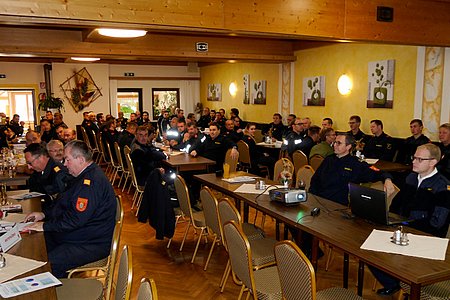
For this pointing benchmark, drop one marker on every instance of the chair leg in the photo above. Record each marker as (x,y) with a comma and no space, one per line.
(198,243)
(210,252)
(125,184)
(329,256)
(134,199)
(177,218)
(241,292)
(263,221)
(120,180)
(141,194)
(226,274)
(185,235)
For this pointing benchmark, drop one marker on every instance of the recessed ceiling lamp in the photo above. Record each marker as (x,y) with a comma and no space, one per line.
(121,33)
(85,58)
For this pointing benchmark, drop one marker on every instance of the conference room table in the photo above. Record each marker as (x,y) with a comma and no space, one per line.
(18,179)
(389,166)
(334,226)
(181,161)
(32,246)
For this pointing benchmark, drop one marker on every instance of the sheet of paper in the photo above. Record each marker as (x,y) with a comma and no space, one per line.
(239,179)
(419,245)
(28,284)
(251,189)
(17,265)
(371,161)
(26,195)
(5,226)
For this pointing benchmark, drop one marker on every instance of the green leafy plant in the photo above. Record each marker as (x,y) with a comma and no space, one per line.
(49,101)
(379,76)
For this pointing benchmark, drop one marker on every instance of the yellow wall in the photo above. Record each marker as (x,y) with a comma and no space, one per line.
(352,59)
(227,73)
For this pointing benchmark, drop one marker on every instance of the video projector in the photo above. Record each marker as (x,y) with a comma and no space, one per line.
(288,196)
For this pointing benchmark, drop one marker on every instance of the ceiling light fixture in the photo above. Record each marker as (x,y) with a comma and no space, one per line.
(121,33)
(85,58)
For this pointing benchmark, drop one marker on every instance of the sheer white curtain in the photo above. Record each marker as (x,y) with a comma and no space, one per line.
(190,95)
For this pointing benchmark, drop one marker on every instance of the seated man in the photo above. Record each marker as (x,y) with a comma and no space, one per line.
(324,148)
(145,157)
(49,177)
(181,131)
(426,200)
(294,138)
(47,131)
(327,123)
(60,133)
(355,131)
(214,147)
(69,135)
(32,137)
(444,137)
(230,133)
(275,129)
(191,137)
(79,226)
(411,143)
(310,141)
(331,179)
(15,125)
(380,145)
(55,149)
(205,119)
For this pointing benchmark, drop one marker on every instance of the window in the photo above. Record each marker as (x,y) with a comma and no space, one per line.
(21,102)
(129,101)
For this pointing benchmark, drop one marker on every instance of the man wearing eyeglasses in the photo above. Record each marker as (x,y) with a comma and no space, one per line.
(292,141)
(426,200)
(331,179)
(49,177)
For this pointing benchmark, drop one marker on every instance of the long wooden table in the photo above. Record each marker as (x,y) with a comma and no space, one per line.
(19,179)
(389,166)
(185,162)
(32,246)
(344,233)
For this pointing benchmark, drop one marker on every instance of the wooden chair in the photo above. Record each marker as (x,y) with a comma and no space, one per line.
(231,161)
(147,290)
(212,222)
(102,265)
(259,137)
(196,219)
(304,175)
(244,158)
(300,159)
(262,247)
(123,165)
(114,162)
(139,191)
(315,161)
(261,283)
(297,276)
(91,288)
(124,275)
(127,151)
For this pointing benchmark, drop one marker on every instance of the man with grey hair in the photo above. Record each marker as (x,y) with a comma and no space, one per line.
(78,226)
(55,149)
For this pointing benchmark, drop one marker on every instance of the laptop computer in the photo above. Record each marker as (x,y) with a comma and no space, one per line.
(371,204)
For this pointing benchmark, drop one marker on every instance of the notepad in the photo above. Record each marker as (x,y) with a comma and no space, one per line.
(239,179)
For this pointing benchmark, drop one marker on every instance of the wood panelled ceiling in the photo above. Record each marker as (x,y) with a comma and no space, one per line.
(236,30)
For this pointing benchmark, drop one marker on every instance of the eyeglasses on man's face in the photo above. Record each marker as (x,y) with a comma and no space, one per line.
(421,159)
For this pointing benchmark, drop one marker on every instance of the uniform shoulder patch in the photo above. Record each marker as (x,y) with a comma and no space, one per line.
(56,169)
(448,187)
(374,168)
(81,204)
(87,182)
(348,169)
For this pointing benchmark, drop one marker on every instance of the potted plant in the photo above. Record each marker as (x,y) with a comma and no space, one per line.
(48,102)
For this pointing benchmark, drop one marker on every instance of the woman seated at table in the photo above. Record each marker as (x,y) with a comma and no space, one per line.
(257,156)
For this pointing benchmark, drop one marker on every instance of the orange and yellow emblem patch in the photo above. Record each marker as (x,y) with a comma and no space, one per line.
(81,204)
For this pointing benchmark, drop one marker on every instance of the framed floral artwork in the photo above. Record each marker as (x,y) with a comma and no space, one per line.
(314,91)
(214,92)
(259,92)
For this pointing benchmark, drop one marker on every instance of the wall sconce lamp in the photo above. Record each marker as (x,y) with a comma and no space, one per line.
(232,89)
(345,85)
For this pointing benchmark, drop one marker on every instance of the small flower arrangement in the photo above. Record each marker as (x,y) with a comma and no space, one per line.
(285,175)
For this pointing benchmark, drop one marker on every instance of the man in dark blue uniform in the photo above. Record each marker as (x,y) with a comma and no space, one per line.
(410,145)
(145,157)
(380,145)
(295,137)
(426,200)
(230,133)
(214,146)
(191,137)
(336,171)
(275,129)
(49,177)
(79,226)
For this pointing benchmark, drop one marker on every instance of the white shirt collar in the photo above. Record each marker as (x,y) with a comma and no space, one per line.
(420,179)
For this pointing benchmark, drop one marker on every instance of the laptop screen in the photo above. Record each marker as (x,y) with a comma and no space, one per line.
(368,203)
